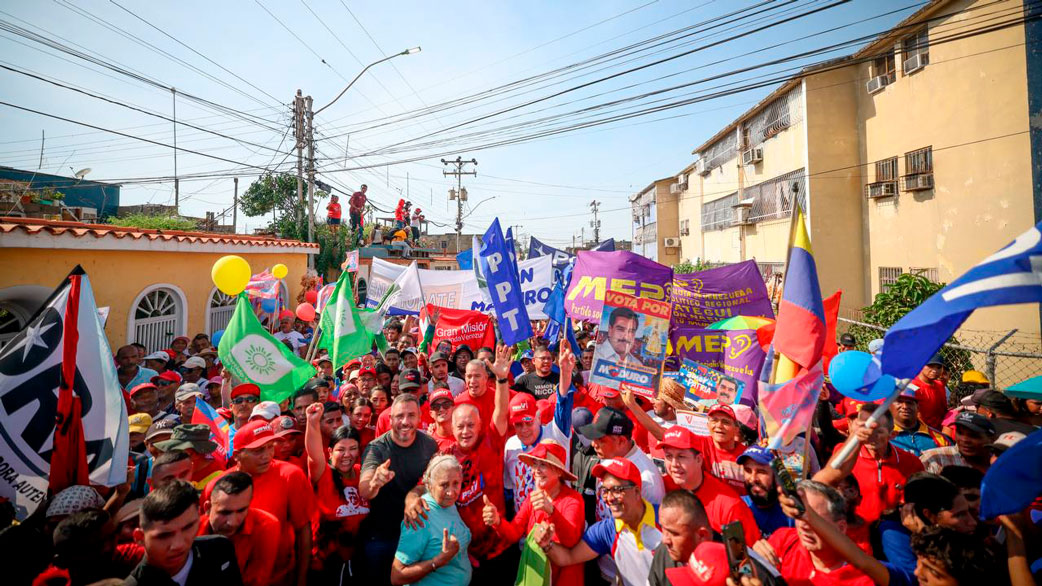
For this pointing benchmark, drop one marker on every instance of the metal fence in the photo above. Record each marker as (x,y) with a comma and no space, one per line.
(1006,358)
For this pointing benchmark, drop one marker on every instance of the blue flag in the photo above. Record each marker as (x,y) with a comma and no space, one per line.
(1014,481)
(561,258)
(510,245)
(500,274)
(1011,275)
(465,259)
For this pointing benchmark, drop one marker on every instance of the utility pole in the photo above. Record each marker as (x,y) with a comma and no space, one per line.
(298,125)
(595,223)
(177,184)
(311,176)
(459,194)
(235,207)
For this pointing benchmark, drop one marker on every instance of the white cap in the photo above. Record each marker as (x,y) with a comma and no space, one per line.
(875,345)
(158,356)
(266,410)
(195,362)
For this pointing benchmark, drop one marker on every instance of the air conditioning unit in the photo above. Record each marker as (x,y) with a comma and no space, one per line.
(671,242)
(700,167)
(741,215)
(676,188)
(82,214)
(881,189)
(877,83)
(918,182)
(916,62)
(753,155)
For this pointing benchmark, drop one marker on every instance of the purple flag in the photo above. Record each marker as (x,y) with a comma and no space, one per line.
(704,297)
(736,353)
(623,271)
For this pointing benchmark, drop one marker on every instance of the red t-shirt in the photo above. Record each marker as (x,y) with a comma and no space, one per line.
(933,401)
(283,491)
(338,513)
(444,443)
(882,483)
(256,545)
(568,519)
(723,506)
(334,211)
(723,463)
(799,570)
(486,403)
(357,201)
(482,476)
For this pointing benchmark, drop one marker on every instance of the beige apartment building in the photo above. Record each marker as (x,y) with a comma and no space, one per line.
(656,221)
(911,155)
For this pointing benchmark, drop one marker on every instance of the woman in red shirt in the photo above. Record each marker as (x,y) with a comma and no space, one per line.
(552,501)
(360,416)
(334,477)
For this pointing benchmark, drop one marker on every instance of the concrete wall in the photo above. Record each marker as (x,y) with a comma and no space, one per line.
(970,105)
(668,226)
(118,277)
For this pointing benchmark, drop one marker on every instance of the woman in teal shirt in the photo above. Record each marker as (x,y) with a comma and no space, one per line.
(436,554)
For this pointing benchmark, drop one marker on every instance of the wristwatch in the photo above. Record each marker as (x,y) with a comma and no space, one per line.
(501,380)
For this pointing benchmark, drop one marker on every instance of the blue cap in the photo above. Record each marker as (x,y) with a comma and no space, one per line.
(526,354)
(581,417)
(758,454)
(936,359)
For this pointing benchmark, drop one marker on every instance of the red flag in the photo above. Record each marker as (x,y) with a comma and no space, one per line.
(69,457)
(831,306)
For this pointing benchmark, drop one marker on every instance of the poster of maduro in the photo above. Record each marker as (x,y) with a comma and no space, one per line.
(631,343)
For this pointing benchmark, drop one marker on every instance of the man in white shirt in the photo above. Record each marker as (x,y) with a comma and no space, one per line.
(286,332)
(622,336)
(439,365)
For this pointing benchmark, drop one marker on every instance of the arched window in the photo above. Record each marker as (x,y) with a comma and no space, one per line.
(219,311)
(157,317)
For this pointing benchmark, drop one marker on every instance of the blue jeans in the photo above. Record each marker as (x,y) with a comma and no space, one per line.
(373,561)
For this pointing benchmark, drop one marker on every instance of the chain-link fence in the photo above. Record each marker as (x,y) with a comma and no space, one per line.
(1005,358)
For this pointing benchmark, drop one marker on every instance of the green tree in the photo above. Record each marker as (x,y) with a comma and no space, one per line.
(687,266)
(147,222)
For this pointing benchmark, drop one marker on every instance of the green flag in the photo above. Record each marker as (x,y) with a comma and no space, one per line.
(344,332)
(534,569)
(253,355)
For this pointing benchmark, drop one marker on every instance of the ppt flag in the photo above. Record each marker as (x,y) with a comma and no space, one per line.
(60,366)
(504,287)
(250,353)
(1011,275)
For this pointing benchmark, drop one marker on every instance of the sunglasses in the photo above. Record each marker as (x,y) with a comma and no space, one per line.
(442,405)
(165,383)
(617,491)
(245,399)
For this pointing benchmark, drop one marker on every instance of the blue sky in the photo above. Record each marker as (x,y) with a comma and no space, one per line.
(544,185)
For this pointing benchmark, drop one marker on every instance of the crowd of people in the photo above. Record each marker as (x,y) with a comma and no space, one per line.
(404,232)
(459,465)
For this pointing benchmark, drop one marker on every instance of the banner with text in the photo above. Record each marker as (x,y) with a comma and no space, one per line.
(461,326)
(454,289)
(500,271)
(704,297)
(736,353)
(622,271)
(707,387)
(631,343)
(560,258)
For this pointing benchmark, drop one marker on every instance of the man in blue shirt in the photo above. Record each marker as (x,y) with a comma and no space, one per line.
(762,490)
(910,433)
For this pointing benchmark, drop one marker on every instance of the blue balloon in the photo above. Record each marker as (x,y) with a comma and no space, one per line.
(216,338)
(269,305)
(858,375)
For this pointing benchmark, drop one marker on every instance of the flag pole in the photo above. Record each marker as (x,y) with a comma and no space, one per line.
(851,444)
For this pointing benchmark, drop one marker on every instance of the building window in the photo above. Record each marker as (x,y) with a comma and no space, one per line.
(220,311)
(915,51)
(717,214)
(157,318)
(884,66)
(928,272)
(886,170)
(919,170)
(885,184)
(685,227)
(888,276)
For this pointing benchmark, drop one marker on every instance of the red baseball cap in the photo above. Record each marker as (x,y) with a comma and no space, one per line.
(285,425)
(438,395)
(545,410)
(253,435)
(620,468)
(362,371)
(245,389)
(725,409)
(679,437)
(167,375)
(522,408)
(707,566)
(171,353)
(286,313)
(603,392)
(143,387)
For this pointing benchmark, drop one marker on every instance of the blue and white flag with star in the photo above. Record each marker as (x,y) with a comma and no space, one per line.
(253,355)
(1011,275)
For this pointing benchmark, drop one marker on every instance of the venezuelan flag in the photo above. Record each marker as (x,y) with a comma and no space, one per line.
(799,334)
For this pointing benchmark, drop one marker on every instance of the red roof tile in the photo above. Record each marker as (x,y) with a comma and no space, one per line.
(79,229)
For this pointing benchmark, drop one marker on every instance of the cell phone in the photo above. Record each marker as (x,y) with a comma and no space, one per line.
(785,481)
(737,555)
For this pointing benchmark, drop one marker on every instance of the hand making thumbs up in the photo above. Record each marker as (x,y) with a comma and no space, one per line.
(489,514)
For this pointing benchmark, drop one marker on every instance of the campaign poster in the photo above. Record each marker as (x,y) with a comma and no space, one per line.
(698,423)
(736,353)
(703,297)
(461,326)
(631,343)
(622,271)
(707,387)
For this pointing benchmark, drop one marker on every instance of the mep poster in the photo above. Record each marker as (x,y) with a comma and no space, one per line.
(736,353)
(707,387)
(703,297)
(621,271)
(631,343)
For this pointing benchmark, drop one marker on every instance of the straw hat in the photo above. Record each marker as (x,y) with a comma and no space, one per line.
(549,452)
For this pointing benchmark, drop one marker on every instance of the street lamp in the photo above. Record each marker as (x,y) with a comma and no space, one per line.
(412,51)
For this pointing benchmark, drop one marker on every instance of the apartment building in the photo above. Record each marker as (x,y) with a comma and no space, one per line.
(656,221)
(911,155)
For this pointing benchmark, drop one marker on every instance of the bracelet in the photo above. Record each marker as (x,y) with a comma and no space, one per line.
(434,566)
(501,380)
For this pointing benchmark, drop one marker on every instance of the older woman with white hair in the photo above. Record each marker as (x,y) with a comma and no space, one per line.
(436,553)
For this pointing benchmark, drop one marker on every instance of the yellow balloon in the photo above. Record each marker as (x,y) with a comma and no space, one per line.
(231,274)
(279,271)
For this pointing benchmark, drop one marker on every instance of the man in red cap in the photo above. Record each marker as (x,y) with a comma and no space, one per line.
(366,380)
(685,469)
(629,537)
(253,532)
(244,398)
(441,405)
(281,489)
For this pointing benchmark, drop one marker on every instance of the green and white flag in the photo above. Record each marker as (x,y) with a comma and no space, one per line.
(344,333)
(409,280)
(253,355)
